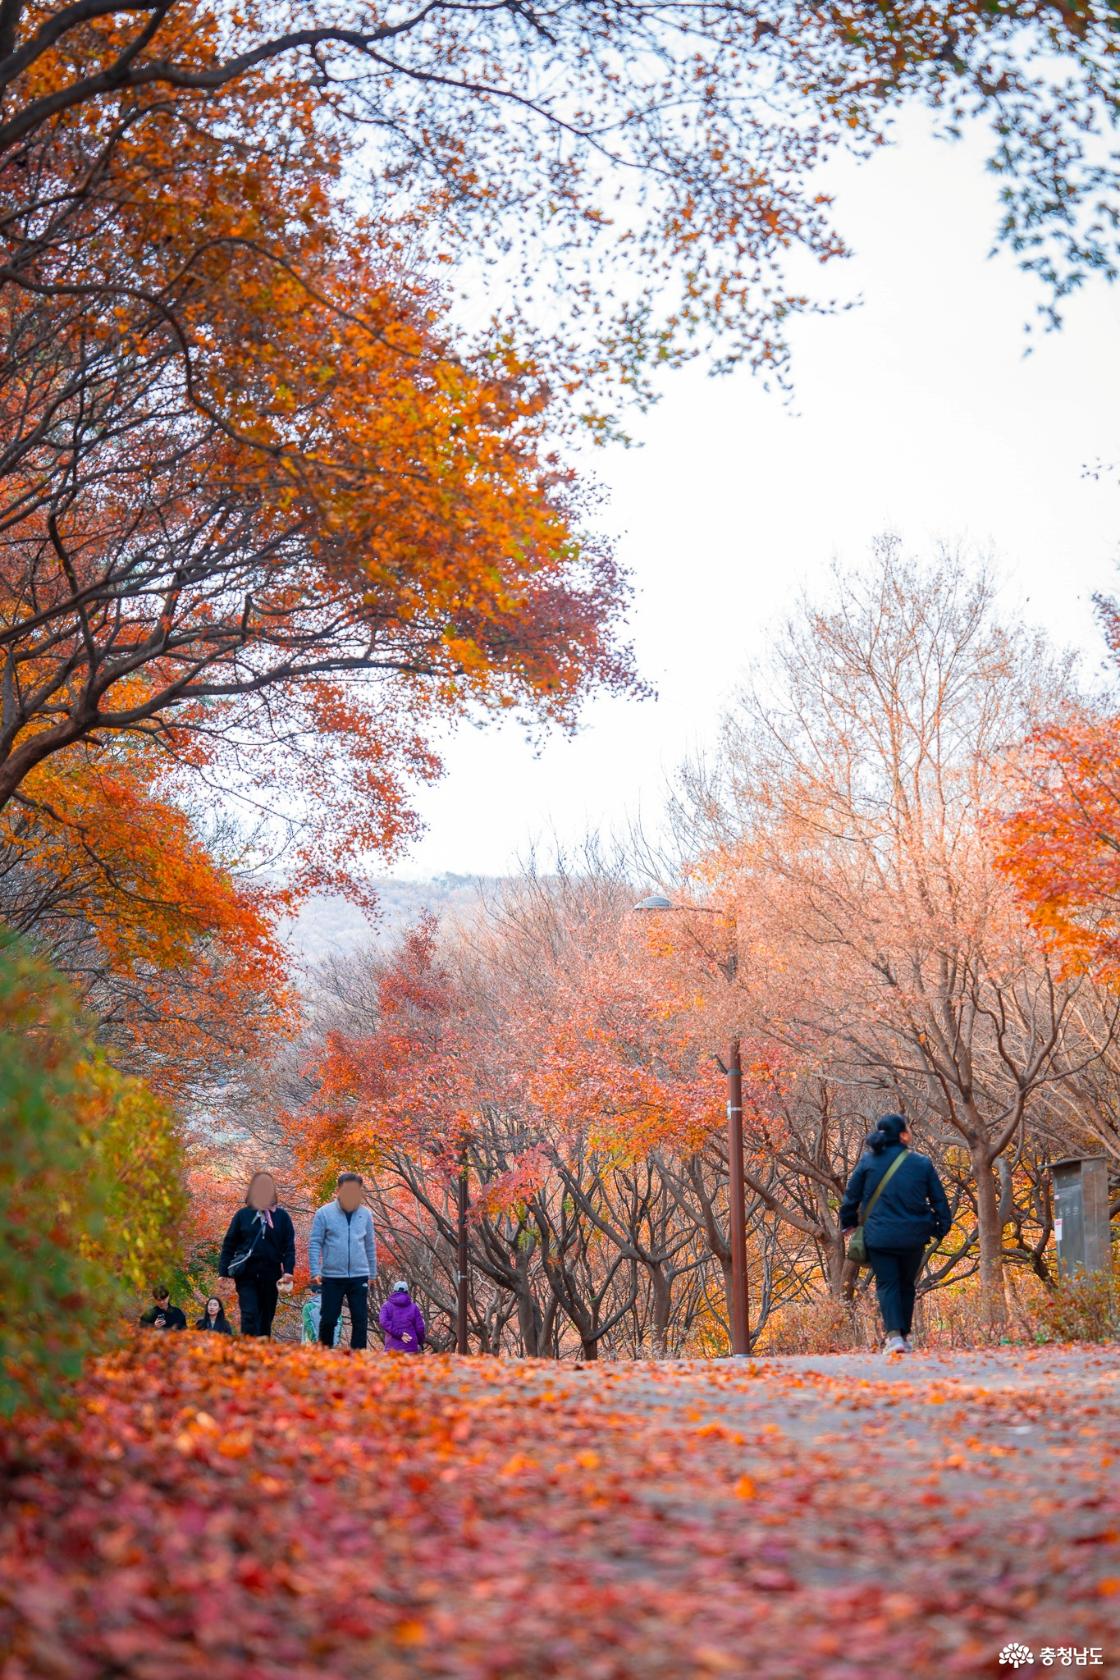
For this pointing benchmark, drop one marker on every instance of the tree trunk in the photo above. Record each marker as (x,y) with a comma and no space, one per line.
(662,1309)
(529,1323)
(993,1302)
(836,1261)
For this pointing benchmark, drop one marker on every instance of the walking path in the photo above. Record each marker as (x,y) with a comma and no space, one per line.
(267,1513)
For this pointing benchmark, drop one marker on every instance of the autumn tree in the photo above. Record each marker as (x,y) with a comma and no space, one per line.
(842,848)
(684,139)
(848,815)
(257,496)
(255,508)
(1058,845)
(1061,839)
(544,1050)
(170,946)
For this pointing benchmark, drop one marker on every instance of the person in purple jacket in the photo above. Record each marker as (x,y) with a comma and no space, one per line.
(402,1321)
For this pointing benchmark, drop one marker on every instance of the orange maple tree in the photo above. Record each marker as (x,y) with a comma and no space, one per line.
(254,504)
(258,495)
(173,953)
(405,1082)
(1060,846)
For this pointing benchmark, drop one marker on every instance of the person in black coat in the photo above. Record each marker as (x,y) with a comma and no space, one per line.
(265,1229)
(161,1315)
(910,1210)
(214,1318)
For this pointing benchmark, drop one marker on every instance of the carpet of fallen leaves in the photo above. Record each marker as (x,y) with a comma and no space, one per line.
(254,1512)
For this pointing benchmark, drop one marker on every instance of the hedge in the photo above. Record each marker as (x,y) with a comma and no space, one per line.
(91,1186)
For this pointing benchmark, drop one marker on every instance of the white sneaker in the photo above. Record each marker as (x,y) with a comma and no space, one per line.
(895,1344)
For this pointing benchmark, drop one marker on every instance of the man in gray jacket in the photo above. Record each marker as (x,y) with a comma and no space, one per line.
(342,1256)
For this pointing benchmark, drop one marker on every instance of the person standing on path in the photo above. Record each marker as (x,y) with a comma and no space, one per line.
(342,1256)
(259,1249)
(906,1206)
(402,1322)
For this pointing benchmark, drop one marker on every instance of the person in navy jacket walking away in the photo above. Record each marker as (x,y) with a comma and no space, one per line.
(909,1209)
(342,1256)
(402,1322)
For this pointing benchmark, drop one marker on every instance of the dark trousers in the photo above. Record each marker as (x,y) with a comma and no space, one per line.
(355,1292)
(896,1272)
(256,1298)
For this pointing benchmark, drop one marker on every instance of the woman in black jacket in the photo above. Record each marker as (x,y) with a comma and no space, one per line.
(214,1318)
(910,1208)
(259,1249)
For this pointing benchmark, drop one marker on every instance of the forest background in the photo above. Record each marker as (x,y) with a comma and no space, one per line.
(280,506)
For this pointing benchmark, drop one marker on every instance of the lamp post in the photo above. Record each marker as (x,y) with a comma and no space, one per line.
(462,1258)
(739,1307)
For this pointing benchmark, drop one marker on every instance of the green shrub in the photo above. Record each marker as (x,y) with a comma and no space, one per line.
(90,1186)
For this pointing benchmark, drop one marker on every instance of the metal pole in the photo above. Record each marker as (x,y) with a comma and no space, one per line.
(462,1261)
(737,1206)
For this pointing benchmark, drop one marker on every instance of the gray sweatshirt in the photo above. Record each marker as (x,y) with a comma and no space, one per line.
(341,1247)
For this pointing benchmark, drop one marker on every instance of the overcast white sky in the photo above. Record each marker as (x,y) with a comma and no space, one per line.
(916,412)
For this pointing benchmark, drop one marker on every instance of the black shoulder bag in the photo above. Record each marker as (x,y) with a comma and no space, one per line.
(245,1253)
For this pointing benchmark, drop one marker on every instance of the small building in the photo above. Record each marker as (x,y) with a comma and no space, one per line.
(1081,1214)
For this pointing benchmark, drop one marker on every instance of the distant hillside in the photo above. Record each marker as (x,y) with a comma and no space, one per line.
(330,926)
